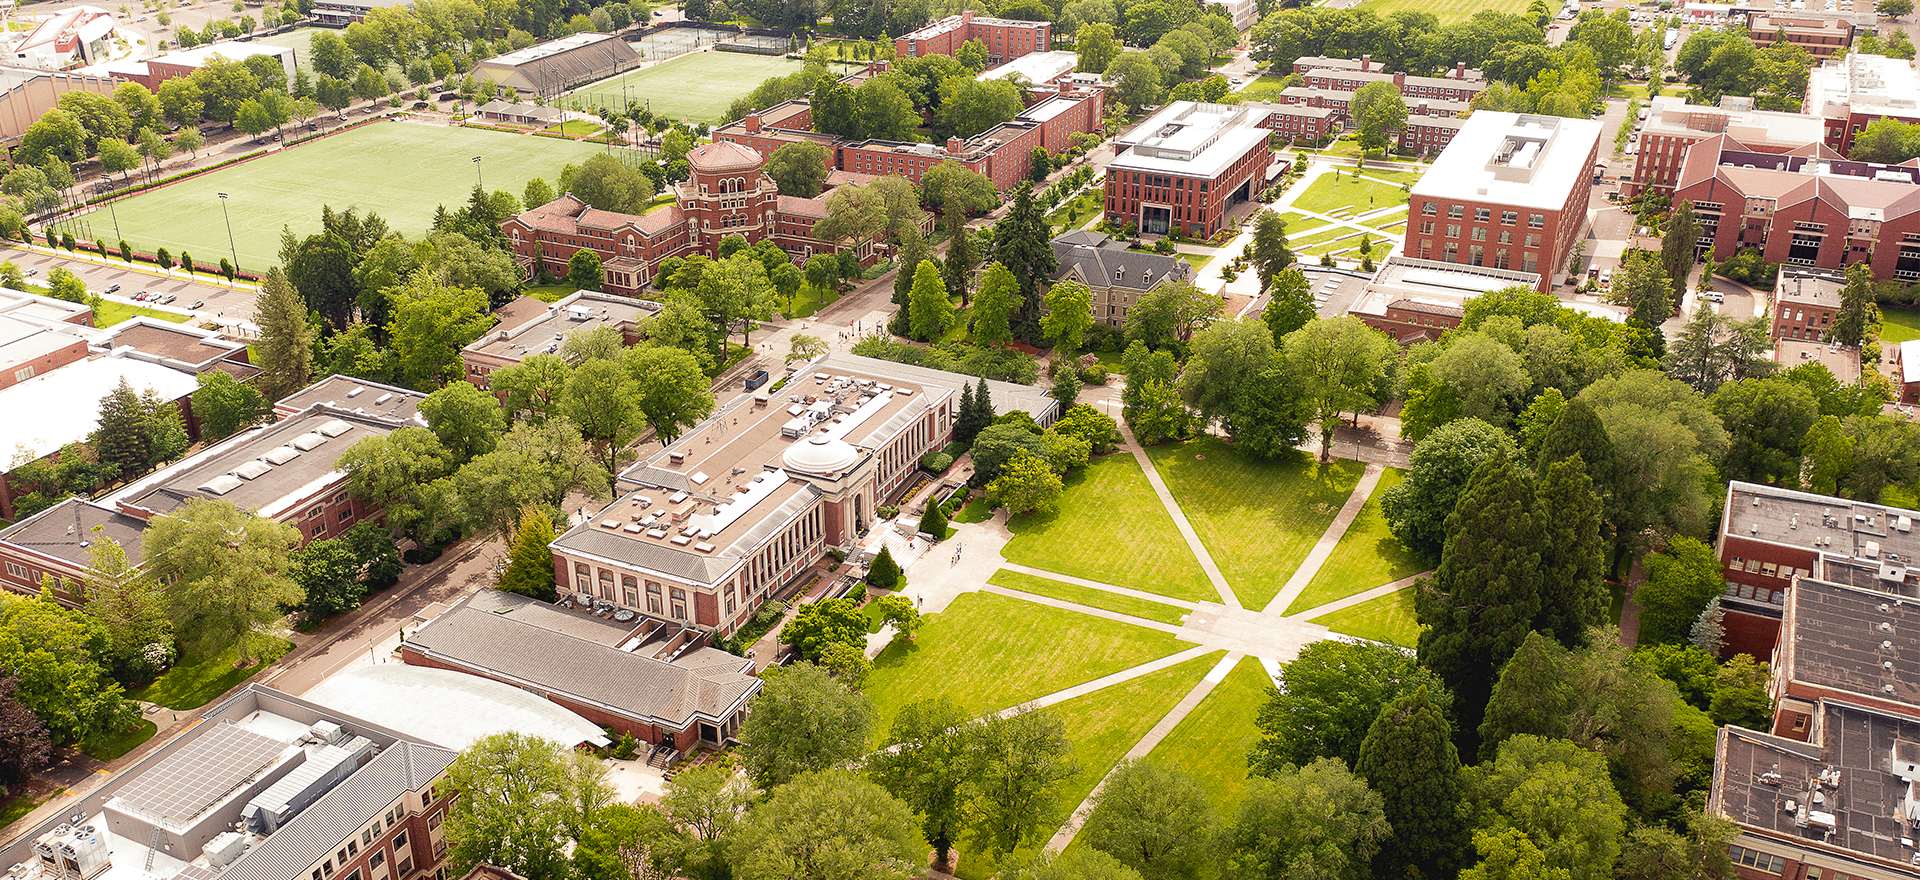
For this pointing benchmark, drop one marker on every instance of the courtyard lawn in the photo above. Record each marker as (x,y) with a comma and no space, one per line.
(1331,233)
(1102,726)
(111,747)
(1897,325)
(1263,87)
(1101,599)
(1367,556)
(109,313)
(988,652)
(1391,175)
(697,87)
(301,42)
(577,128)
(1111,528)
(1388,619)
(1448,11)
(401,171)
(1331,193)
(550,292)
(1258,518)
(191,685)
(1212,742)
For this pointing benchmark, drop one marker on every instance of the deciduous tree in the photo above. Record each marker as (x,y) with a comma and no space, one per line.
(1153,819)
(802,720)
(511,809)
(1317,820)
(227,571)
(830,825)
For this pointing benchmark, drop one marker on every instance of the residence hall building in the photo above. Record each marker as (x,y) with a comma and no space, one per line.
(1414,300)
(1849,92)
(263,786)
(1002,153)
(1673,126)
(1181,170)
(1116,276)
(1457,85)
(1804,209)
(1770,536)
(1509,192)
(1005,38)
(725,194)
(655,680)
(741,506)
(549,68)
(1804,303)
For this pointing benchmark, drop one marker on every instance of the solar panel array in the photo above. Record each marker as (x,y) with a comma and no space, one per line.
(209,768)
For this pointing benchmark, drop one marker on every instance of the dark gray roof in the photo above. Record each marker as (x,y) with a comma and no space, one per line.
(337,391)
(1756,775)
(556,663)
(1428,308)
(692,568)
(1096,260)
(65,531)
(273,484)
(1007,396)
(578,624)
(298,845)
(1852,640)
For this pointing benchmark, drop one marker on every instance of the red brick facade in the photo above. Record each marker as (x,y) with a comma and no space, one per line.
(1005,38)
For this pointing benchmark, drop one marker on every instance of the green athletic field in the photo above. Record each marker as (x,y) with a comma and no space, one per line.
(402,171)
(697,87)
(1448,11)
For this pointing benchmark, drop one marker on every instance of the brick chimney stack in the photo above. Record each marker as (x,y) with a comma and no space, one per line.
(1460,70)
(752,122)
(954,144)
(1366,63)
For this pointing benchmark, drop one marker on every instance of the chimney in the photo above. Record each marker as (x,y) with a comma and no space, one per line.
(1066,84)
(1460,70)
(1366,63)
(1419,109)
(752,122)
(1400,81)
(966,17)
(954,144)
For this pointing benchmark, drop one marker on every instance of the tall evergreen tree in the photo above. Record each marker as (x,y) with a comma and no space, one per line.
(1573,553)
(1531,697)
(963,256)
(1022,241)
(1409,758)
(976,413)
(121,439)
(1677,247)
(285,350)
(1485,596)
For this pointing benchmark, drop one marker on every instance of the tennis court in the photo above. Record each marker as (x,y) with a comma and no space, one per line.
(402,171)
(664,44)
(698,87)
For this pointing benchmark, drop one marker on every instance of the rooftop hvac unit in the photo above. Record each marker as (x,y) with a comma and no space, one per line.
(323,769)
(328,732)
(224,848)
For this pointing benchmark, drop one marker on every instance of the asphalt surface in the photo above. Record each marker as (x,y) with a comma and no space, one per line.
(220,302)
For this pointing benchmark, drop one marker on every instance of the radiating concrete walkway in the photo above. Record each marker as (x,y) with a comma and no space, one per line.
(1360,598)
(1328,540)
(1051,602)
(1179,518)
(1096,585)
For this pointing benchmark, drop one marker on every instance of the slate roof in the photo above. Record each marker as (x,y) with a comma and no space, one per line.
(573,668)
(1098,259)
(65,530)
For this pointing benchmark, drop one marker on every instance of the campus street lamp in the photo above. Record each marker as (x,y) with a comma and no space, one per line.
(235,251)
(479,174)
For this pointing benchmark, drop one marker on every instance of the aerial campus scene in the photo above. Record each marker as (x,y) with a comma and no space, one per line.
(1020,439)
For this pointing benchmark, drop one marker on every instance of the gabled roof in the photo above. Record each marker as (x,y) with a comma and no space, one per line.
(722,155)
(400,768)
(1101,265)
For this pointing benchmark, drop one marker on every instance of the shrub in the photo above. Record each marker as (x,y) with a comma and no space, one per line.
(888,511)
(933,522)
(936,462)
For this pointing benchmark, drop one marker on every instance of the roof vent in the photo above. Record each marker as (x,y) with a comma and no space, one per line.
(281,454)
(252,470)
(307,441)
(335,428)
(222,484)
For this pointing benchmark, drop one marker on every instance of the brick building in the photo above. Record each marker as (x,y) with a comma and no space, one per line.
(1805,208)
(656,681)
(1425,134)
(1299,123)
(1769,536)
(1823,36)
(542,328)
(1182,169)
(1459,84)
(1002,153)
(266,786)
(1847,93)
(1117,277)
(1673,126)
(1005,38)
(743,505)
(1413,300)
(725,194)
(1510,192)
(1804,304)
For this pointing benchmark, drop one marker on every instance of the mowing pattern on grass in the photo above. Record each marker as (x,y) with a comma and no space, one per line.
(1333,192)
(1101,599)
(1112,528)
(401,171)
(1897,325)
(988,652)
(1212,742)
(109,313)
(1448,11)
(1367,556)
(1258,518)
(1389,618)
(697,87)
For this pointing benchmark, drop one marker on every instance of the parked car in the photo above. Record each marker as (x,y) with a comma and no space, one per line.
(140,297)
(32,272)
(756,380)
(1714,296)
(167,299)
(196,304)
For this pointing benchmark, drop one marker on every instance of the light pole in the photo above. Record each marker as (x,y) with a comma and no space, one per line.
(231,248)
(479,174)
